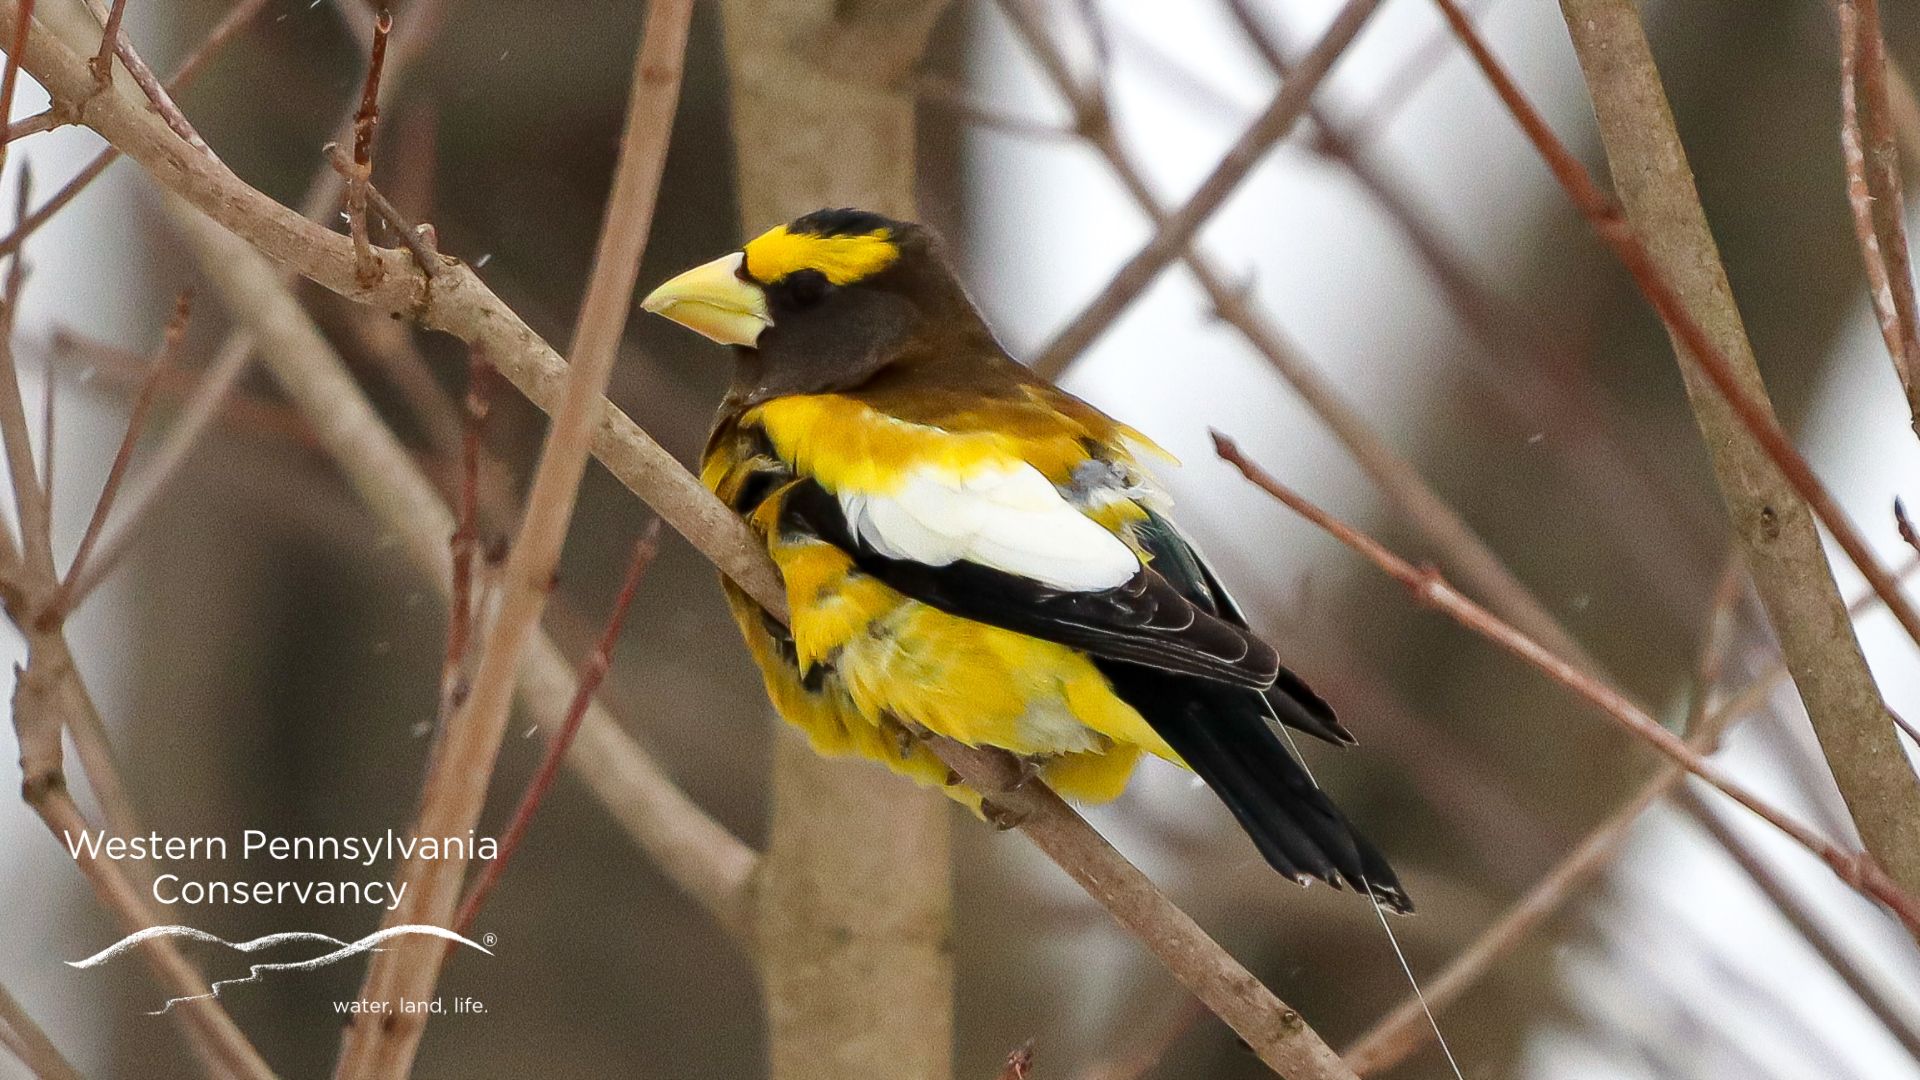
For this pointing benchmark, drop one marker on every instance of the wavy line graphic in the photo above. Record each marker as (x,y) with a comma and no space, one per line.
(342,950)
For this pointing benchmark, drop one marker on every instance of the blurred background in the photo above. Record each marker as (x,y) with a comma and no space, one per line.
(270,658)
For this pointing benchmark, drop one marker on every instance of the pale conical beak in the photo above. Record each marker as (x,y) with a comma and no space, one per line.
(714,300)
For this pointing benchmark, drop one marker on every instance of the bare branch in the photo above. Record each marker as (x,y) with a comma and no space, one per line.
(1806,921)
(593,671)
(29,495)
(693,850)
(225,30)
(10,78)
(361,172)
(460,304)
(465,543)
(1462,549)
(148,82)
(24,1038)
(457,784)
(1751,454)
(1274,1030)
(1169,240)
(201,407)
(61,601)
(102,63)
(417,238)
(1863,66)
(1860,202)
(45,120)
(1856,869)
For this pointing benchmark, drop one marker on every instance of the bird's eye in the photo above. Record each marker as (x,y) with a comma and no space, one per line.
(805,288)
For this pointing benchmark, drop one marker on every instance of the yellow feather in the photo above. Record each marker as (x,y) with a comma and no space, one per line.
(880,662)
(776,253)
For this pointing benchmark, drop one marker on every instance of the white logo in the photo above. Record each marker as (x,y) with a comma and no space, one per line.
(340,951)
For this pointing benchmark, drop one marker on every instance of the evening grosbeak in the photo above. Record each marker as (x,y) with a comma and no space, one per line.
(970,550)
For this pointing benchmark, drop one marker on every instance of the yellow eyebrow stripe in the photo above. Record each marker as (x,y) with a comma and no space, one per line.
(842,259)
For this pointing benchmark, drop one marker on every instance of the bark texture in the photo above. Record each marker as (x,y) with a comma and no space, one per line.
(853,907)
(1776,530)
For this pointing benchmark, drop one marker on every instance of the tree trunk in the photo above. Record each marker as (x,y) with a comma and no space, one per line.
(853,907)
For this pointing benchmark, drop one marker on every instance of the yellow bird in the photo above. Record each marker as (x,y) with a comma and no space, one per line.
(970,550)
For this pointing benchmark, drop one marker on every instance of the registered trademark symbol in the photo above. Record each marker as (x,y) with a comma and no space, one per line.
(489,939)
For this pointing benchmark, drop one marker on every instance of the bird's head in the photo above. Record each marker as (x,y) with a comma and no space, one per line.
(823,301)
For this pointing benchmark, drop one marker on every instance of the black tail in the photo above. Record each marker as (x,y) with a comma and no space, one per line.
(1223,734)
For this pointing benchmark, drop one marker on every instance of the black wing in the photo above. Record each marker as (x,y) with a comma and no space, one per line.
(1289,700)
(1144,621)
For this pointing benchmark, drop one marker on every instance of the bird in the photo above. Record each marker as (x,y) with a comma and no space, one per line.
(970,551)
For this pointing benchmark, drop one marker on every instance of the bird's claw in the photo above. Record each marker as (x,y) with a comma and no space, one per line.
(1001,817)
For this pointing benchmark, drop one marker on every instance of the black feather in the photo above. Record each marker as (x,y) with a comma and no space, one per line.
(1144,621)
(1223,735)
(1289,700)
(845,221)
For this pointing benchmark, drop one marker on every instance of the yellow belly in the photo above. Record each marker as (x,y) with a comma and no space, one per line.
(884,664)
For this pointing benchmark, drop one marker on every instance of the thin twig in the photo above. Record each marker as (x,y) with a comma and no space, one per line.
(102,62)
(1855,868)
(592,673)
(1806,921)
(684,840)
(60,602)
(1860,202)
(21,1035)
(361,172)
(224,31)
(1782,547)
(201,406)
(44,120)
(1463,550)
(417,238)
(708,863)
(10,78)
(1274,1030)
(1172,238)
(29,496)
(1409,76)
(1868,65)
(156,92)
(942,92)
(49,396)
(1405,1029)
(456,787)
(465,543)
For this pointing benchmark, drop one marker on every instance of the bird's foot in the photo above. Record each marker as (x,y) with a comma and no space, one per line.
(1005,817)
(1001,817)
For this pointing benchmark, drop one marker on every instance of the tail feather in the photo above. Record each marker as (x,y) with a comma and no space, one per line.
(1223,734)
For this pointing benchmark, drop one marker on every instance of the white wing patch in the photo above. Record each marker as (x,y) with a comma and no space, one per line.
(1010,519)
